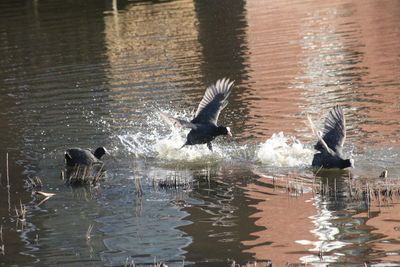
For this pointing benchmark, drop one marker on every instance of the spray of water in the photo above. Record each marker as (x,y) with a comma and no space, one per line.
(155,139)
(283,151)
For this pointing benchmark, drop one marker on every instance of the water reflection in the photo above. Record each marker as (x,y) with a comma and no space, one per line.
(385,227)
(224,51)
(52,80)
(88,73)
(142,227)
(222,219)
(320,227)
(340,55)
(139,44)
(272,63)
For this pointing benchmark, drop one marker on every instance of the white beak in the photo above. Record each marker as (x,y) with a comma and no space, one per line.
(352,163)
(229,131)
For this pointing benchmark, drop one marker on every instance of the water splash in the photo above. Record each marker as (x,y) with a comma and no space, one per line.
(154,138)
(168,147)
(283,151)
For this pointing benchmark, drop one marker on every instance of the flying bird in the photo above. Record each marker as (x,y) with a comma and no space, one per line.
(203,127)
(330,144)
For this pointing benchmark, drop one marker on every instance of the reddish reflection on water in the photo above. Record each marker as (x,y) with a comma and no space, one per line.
(84,74)
(286,219)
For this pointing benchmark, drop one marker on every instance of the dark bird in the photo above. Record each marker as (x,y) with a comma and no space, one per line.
(204,127)
(78,156)
(384,174)
(330,145)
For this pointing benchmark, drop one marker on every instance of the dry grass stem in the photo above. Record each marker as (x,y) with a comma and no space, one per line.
(98,175)
(89,232)
(267,263)
(178,180)
(138,186)
(129,262)
(41,193)
(137,181)
(7,172)
(46,196)
(2,250)
(21,212)
(83,175)
(33,183)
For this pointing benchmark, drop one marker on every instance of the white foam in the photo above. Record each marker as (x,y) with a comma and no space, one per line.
(169,148)
(155,138)
(283,151)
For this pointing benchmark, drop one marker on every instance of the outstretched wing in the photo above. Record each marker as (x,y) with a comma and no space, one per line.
(214,100)
(334,133)
(324,146)
(176,122)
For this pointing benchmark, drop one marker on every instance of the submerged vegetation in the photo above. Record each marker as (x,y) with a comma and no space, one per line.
(2,251)
(83,174)
(369,189)
(380,190)
(33,184)
(176,180)
(21,212)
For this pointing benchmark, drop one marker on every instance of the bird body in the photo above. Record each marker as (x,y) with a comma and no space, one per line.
(328,161)
(204,134)
(204,127)
(78,156)
(201,135)
(330,144)
(384,174)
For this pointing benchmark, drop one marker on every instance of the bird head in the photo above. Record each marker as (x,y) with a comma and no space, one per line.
(100,151)
(351,163)
(348,163)
(222,130)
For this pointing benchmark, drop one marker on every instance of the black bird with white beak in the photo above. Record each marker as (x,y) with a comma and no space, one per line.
(204,127)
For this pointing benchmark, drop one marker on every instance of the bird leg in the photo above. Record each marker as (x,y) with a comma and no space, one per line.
(209,145)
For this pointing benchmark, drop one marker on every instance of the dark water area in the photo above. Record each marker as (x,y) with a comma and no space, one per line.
(94,73)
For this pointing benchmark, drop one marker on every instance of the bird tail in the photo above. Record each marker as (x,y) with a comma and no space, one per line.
(176,122)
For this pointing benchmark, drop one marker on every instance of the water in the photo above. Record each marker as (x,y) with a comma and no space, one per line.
(87,74)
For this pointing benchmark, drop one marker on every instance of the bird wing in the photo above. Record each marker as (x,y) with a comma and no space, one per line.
(214,100)
(321,141)
(176,122)
(334,133)
(75,153)
(79,156)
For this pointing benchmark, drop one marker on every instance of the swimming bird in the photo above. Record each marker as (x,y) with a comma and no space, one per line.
(330,145)
(78,156)
(204,127)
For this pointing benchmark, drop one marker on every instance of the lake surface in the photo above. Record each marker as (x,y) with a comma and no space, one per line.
(94,73)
